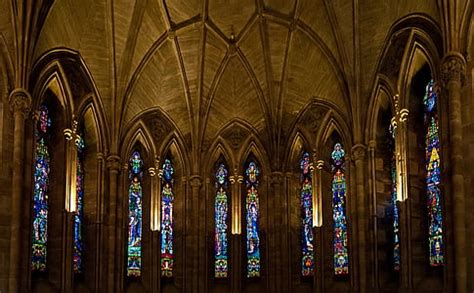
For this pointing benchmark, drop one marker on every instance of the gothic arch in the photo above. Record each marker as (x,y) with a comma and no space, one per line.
(299,143)
(333,123)
(218,149)
(139,133)
(60,61)
(383,93)
(53,91)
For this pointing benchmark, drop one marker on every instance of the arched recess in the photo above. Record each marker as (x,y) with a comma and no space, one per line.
(332,132)
(220,153)
(253,152)
(172,148)
(414,44)
(421,67)
(300,144)
(70,66)
(93,199)
(52,91)
(137,139)
(385,228)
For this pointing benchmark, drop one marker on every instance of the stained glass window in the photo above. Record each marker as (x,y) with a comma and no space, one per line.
(135,195)
(167,200)
(79,215)
(395,214)
(433,176)
(40,196)
(221,220)
(307,260)
(252,214)
(341,256)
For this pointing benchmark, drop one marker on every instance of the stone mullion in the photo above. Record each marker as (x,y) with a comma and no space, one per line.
(453,73)
(20,105)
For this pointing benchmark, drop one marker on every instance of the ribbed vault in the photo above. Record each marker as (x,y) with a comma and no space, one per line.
(206,63)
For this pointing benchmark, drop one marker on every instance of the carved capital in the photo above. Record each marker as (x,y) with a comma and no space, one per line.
(358,152)
(372,145)
(113,163)
(20,101)
(277,178)
(453,68)
(195,181)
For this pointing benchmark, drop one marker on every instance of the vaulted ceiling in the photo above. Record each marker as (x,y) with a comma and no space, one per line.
(206,63)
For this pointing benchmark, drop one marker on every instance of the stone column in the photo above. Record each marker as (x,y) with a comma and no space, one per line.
(453,74)
(113,165)
(20,105)
(373,215)
(194,241)
(358,154)
(277,255)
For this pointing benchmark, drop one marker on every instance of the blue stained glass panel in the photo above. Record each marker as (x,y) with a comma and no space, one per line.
(221,221)
(252,220)
(135,195)
(79,215)
(341,256)
(433,176)
(167,201)
(307,251)
(40,196)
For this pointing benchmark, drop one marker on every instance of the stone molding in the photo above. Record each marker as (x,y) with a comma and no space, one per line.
(358,152)
(20,101)
(453,68)
(195,181)
(113,163)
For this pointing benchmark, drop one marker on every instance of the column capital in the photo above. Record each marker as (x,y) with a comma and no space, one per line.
(358,152)
(277,177)
(453,68)
(113,162)
(195,181)
(372,145)
(20,101)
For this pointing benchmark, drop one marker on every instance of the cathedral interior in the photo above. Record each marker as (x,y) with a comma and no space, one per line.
(236,146)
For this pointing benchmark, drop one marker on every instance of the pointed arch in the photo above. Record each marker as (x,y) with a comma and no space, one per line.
(332,123)
(217,149)
(418,51)
(64,60)
(299,143)
(139,133)
(382,95)
(254,148)
(54,79)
